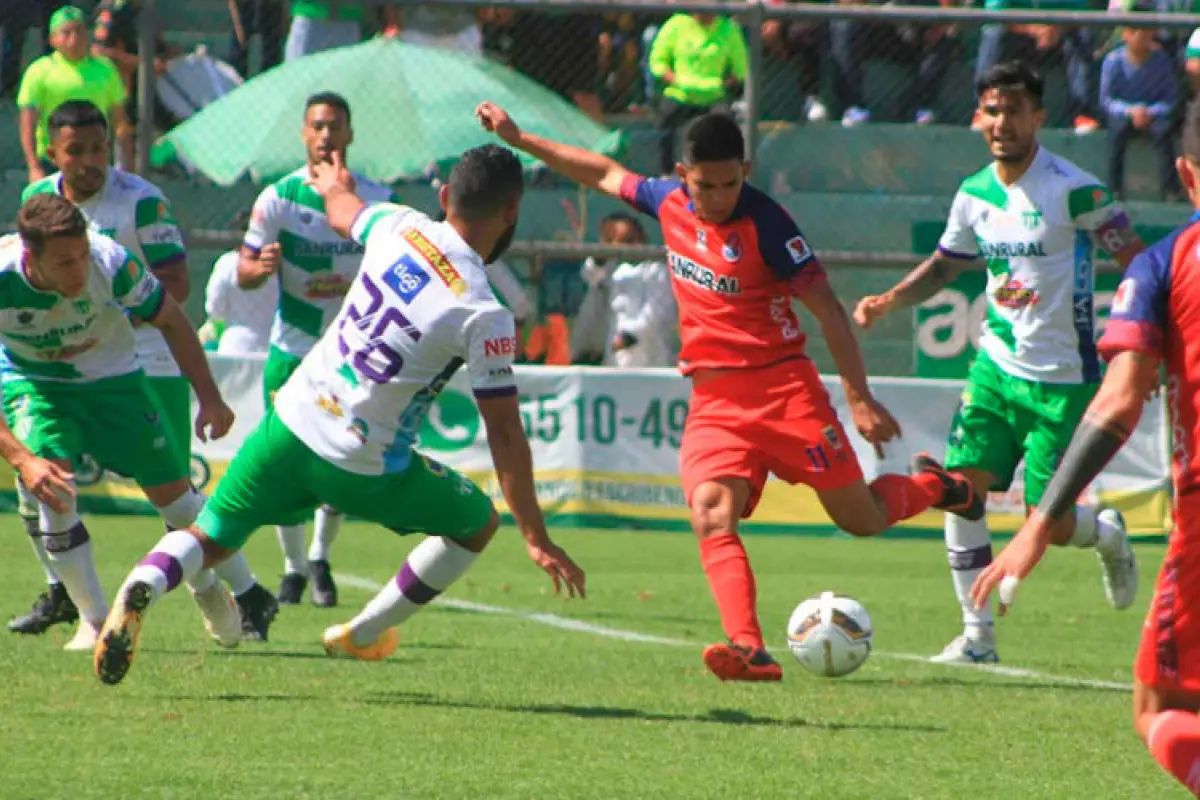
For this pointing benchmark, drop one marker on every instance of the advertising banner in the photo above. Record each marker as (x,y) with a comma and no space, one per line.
(606,446)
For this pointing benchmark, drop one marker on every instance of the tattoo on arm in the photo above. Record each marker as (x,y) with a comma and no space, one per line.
(925,281)
(1094,444)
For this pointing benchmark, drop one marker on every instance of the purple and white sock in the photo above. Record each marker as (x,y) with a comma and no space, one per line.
(176,558)
(429,570)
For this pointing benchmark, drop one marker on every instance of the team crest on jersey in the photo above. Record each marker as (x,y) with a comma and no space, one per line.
(24,318)
(326,287)
(441,265)
(82,306)
(359,430)
(1032,218)
(701,239)
(731,251)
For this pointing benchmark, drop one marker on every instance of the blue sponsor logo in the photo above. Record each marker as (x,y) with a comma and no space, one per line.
(406,278)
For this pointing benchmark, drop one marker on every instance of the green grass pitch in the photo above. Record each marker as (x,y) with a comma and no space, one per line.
(479,705)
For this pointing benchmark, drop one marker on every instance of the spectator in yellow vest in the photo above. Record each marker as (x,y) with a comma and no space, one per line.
(701,61)
(69,73)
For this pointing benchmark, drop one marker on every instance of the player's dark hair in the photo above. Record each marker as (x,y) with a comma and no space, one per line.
(622,218)
(76,114)
(713,137)
(1191,132)
(1013,76)
(485,180)
(49,216)
(331,99)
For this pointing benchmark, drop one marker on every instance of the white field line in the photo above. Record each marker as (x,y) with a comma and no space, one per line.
(579,626)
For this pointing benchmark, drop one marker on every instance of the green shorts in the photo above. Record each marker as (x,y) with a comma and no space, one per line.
(175,397)
(1003,419)
(118,421)
(275,476)
(276,371)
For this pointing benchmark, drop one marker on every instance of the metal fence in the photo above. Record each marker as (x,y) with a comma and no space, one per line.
(858,115)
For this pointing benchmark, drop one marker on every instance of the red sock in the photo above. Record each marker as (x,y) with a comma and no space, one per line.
(905,496)
(732,583)
(1174,741)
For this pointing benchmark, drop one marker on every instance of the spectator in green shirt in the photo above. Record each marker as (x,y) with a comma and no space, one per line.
(701,61)
(69,73)
(324,24)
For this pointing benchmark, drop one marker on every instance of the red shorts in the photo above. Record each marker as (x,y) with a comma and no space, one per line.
(778,419)
(1169,654)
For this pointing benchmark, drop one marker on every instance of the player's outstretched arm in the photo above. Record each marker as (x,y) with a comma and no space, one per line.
(582,166)
(514,471)
(214,418)
(871,419)
(335,184)
(1110,419)
(933,274)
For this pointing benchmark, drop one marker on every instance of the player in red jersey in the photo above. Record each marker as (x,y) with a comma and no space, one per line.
(758,406)
(1155,322)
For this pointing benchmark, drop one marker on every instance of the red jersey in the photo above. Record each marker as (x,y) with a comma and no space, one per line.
(733,282)
(1156,309)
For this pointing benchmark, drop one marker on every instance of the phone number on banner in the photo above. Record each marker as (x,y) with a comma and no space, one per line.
(602,418)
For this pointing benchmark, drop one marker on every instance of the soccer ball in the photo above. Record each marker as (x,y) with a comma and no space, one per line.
(830,634)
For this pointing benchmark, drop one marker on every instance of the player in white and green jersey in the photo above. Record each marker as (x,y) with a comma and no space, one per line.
(1035,219)
(134,212)
(72,385)
(343,428)
(290,235)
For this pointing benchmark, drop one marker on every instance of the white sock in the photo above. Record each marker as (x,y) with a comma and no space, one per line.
(969,551)
(27,503)
(325,530)
(291,539)
(1086,529)
(39,548)
(70,552)
(236,572)
(202,581)
(429,570)
(176,558)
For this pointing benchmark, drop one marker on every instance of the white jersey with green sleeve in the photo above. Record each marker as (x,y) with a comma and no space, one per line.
(134,212)
(49,337)
(1038,238)
(419,309)
(318,265)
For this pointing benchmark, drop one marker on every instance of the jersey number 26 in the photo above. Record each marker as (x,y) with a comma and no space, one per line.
(377,361)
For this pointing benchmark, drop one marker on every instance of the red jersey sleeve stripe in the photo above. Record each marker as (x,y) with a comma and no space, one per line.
(1125,335)
(802,282)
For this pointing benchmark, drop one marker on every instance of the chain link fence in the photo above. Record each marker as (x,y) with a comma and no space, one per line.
(859,115)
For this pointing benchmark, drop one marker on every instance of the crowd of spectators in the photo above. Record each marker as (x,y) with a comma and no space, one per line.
(668,68)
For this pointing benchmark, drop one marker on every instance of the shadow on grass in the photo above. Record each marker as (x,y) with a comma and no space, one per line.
(982,680)
(714,716)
